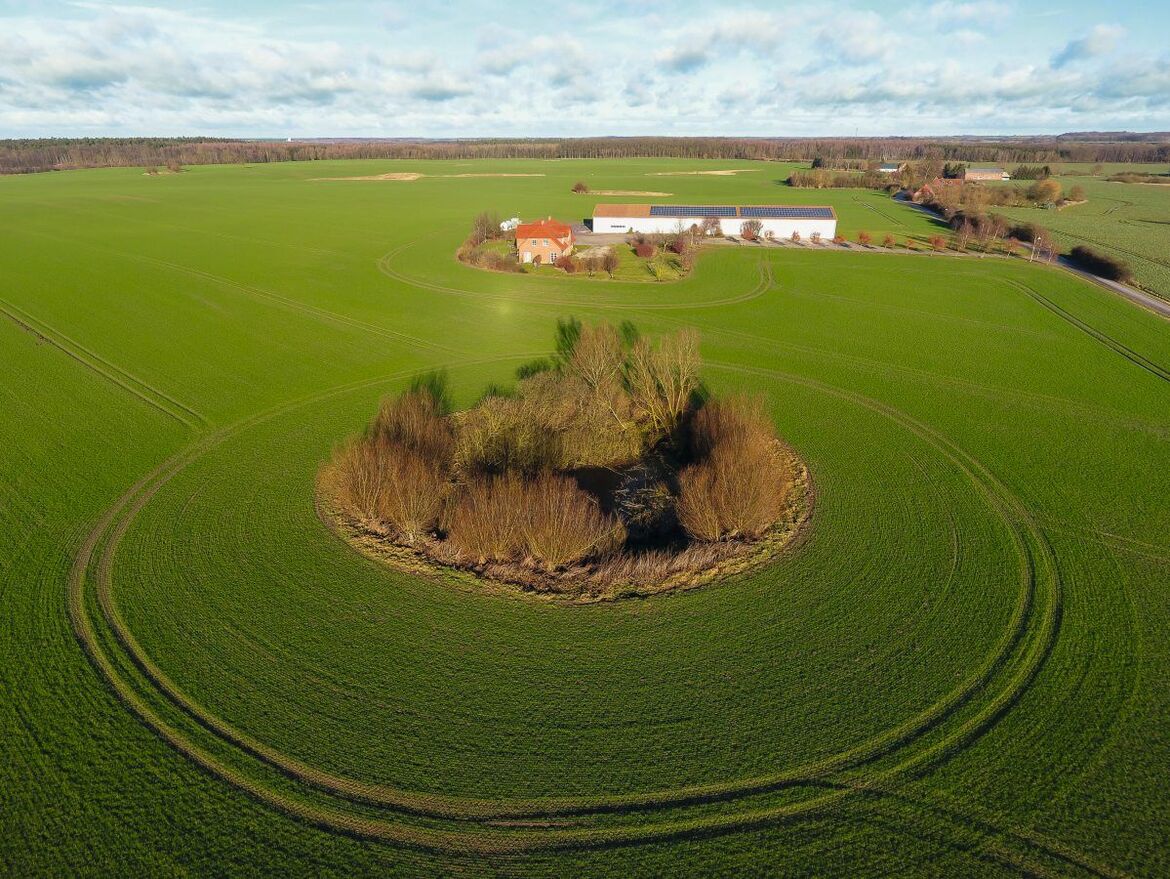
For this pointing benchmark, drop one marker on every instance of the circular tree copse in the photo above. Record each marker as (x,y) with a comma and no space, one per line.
(606,470)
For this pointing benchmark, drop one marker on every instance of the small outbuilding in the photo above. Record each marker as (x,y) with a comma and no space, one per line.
(889,168)
(544,241)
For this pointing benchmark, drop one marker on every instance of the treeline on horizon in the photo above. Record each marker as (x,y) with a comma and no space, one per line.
(32,155)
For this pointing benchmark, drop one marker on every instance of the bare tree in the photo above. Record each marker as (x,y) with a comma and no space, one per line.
(609,261)
(963,235)
(661,380)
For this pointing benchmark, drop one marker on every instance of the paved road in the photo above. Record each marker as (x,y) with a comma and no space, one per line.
(1146,300)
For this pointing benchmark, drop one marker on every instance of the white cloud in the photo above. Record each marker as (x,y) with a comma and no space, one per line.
(1101,40)
(951,15)
(135,69)
(727,35)
(859,38)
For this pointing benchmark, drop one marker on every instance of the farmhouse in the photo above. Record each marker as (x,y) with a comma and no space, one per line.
(890,168)
(983,174)
(782,221)
(932,188)
(544,241)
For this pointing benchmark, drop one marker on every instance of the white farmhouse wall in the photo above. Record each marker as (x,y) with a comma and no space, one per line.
(779,227)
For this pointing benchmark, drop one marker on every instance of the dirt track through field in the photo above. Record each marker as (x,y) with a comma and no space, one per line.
(730,172)
(1108,341)
(411,176)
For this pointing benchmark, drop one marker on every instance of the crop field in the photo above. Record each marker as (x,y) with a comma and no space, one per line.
(1130,221)
(963,668)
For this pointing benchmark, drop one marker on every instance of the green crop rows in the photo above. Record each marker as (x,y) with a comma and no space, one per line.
(961,671)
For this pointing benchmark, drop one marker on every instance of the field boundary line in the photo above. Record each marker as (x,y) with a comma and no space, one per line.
(145,392)
(1099,335)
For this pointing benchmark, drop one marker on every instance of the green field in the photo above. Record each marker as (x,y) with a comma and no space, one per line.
(962,671)
(1130,221)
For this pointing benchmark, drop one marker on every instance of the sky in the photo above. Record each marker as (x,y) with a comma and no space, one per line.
(473,69)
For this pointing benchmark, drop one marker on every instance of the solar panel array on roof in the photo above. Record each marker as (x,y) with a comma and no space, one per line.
(680,210)
(787,213)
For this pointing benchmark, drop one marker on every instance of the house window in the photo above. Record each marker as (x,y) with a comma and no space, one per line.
(546,242)
(552,257)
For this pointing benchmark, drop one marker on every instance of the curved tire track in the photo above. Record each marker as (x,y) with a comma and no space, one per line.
(122,513)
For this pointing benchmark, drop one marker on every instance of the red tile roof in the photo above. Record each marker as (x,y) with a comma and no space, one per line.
(544,229)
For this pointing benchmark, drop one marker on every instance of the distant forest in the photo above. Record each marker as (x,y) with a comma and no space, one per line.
(26,156)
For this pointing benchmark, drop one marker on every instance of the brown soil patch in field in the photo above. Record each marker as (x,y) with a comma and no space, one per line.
(485,175)
(410,176)
(405,176)
(730,172)
(649,192)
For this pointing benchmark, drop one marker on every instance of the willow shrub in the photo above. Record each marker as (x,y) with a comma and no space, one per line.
(547,521)
(734,489)
(395,477)
(389,487)
(485,521)
(563,524)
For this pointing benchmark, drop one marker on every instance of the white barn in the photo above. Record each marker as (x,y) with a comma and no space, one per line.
(780,220)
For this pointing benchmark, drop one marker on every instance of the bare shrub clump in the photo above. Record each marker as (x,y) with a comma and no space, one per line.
(546,522)
(506,434)
(734,489)
(663,379)
(749,230)
(563,525)
(394,478)
(389,488)
(602,462)
(485,522)
(413,489)
(416,421)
